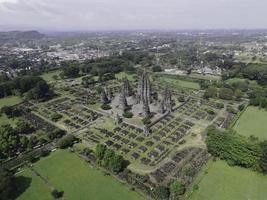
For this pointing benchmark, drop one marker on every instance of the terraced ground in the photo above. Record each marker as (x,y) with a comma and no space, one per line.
(222,182)
(79,180)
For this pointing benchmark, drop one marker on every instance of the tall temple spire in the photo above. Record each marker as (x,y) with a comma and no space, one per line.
(144,92)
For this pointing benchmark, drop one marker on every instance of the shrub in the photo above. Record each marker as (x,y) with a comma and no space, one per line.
(106,107)
(146,120)
(127,114)
(241,107)
(210,111)
(57,194)
(177,188)
(55,117)
(181,99)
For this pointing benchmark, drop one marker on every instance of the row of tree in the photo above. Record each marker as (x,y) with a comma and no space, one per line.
(237,150)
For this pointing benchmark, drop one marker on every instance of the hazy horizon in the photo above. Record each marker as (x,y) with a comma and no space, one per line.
(97,15)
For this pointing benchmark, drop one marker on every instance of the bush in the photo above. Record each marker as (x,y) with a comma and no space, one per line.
(146,120)
(226,93)
(106,107)
(161,192)
(241,107)
(210,111)
(232,110)
(127,114)
(181,99)
(57,194)
(55,117)
(219,105)
(177,188)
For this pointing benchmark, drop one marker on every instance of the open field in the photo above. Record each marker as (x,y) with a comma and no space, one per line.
(79,180)
(223,182)
(176,83)
(252,122)
(37,189)
(205,77)
(49,76)
(121,75)
(8,101)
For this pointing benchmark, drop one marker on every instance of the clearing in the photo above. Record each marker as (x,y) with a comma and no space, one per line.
(252,122)
(222,182)
(78,179)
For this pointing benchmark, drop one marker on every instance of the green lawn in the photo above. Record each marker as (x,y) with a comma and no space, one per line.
(8,101)
(177,83)
(37,189)
(223,182)
(49,76)
(121,75)
(79,180)
(252,122)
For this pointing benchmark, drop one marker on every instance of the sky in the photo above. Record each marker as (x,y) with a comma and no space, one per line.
(86,15)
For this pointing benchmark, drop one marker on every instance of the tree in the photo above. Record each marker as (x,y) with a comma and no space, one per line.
(177,188)
(100,151)
(66,141)
(23,127)
(116,163)
(226,93)
(109,154)
(57,194)
(161,193)
(156,68)
(211,92)
(263,159)
(41,90)
(9,140)
(70,69)
(127,114)
(58,133)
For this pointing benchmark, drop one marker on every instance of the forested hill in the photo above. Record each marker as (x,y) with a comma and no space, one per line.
(20,35)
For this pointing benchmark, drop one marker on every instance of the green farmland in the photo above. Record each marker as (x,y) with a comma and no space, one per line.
(252,122)
(79,180)
(223,182)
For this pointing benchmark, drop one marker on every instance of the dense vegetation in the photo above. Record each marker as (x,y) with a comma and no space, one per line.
(109,159)
(236,149)
(34,86)
(13,140)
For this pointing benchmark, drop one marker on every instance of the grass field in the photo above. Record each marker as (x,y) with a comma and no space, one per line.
(8,101)
(223,182)
(37,189)
(49,76)
(252,122)
(121,75)
(78,180)
(177,83)
(205,77)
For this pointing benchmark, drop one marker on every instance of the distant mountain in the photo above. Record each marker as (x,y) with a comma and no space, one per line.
(20,35)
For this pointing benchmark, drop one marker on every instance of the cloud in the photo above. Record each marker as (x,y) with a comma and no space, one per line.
(137,14)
